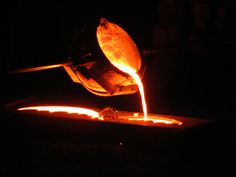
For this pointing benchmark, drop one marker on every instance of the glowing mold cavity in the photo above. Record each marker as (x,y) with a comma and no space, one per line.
(133,119)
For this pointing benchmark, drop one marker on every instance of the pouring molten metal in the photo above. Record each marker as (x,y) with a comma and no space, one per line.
(122,52)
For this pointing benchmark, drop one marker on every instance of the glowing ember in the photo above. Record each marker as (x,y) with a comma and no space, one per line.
(67,109)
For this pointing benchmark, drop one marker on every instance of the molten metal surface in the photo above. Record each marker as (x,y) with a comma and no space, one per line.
(155,119)
(67,109)
(123,118)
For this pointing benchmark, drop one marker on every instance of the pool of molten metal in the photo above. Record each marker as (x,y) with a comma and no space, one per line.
(105,115)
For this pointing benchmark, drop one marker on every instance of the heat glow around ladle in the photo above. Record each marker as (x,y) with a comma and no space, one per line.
(122,52)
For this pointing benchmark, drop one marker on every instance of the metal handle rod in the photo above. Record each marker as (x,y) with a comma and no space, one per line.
(24,70)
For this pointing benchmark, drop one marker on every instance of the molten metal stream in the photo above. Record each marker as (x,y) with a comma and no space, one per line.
(137,79)
(122,52)
(141,91)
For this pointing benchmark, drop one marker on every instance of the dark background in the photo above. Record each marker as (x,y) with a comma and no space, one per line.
(187,47)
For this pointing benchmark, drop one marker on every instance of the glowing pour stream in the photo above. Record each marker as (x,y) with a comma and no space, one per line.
(138,81)
(122,52)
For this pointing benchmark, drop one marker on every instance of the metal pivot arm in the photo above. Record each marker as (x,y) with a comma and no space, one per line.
(99,83)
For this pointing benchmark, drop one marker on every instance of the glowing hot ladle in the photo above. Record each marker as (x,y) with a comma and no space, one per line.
(122,52)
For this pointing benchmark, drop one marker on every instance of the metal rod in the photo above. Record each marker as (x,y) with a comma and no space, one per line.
(24,70)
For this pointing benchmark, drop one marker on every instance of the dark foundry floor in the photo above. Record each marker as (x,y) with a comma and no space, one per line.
(207,150)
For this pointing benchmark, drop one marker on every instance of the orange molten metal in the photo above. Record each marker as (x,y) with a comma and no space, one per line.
(135,119)
(155,119)
(67,109)
(122,52)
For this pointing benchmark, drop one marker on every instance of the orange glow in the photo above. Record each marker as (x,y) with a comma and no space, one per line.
(156,119)
(125,118)
(137,79)
(117,45)
(67,109)
(122,52)
(141,90)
